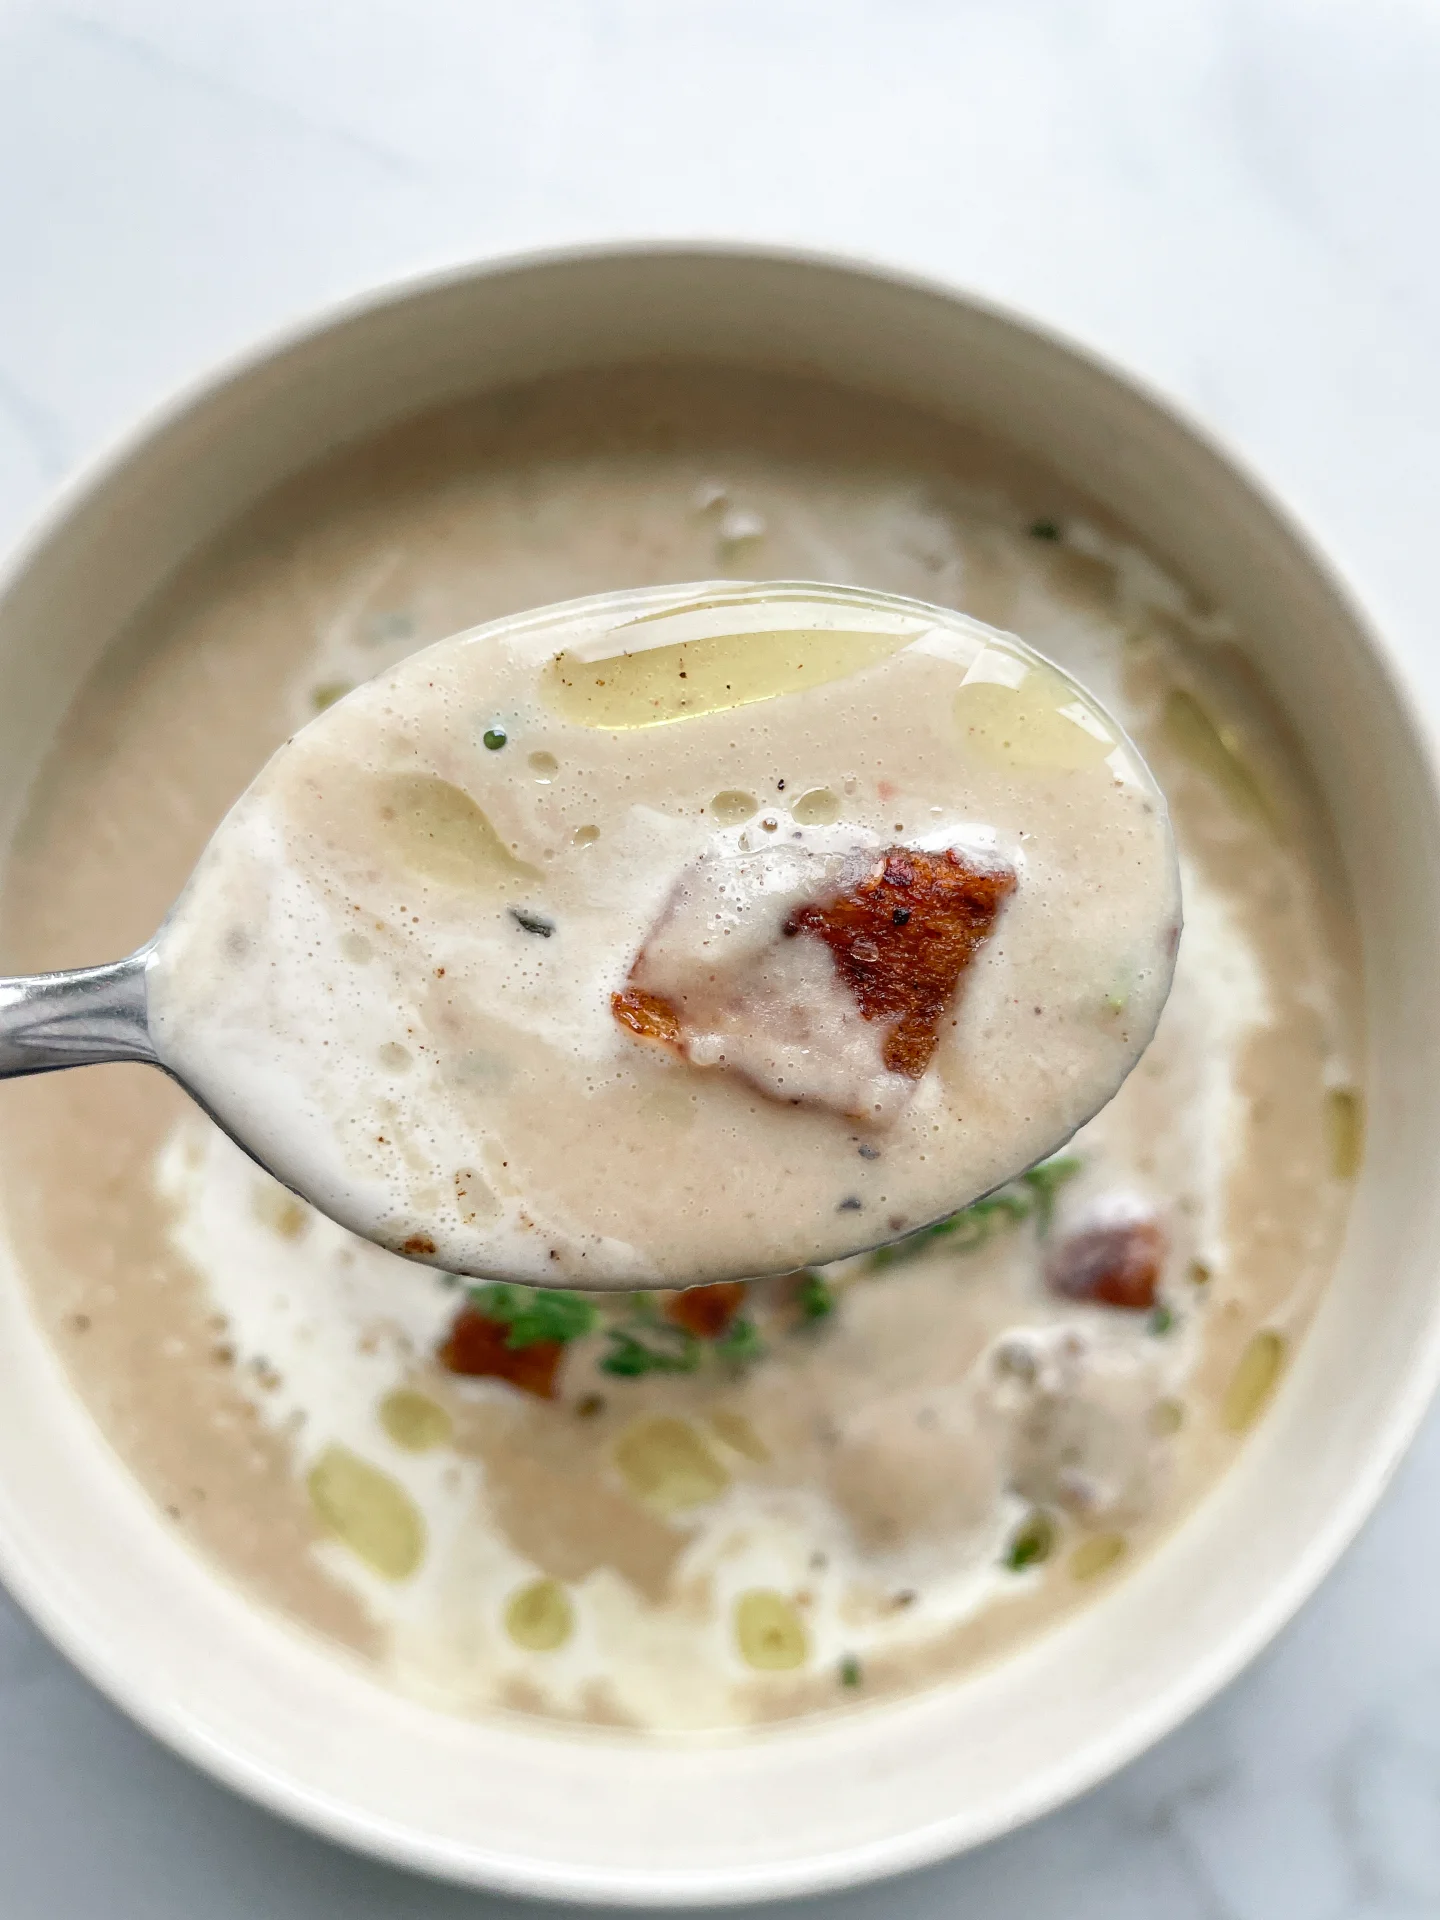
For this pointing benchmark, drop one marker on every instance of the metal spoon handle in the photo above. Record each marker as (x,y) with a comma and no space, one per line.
(74,1019)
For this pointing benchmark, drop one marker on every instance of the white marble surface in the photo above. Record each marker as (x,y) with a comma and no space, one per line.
(1236,197)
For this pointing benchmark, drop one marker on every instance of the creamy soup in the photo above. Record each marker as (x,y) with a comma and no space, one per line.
(743,1502)
(822,914)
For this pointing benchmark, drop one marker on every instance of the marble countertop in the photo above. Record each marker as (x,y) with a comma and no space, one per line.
(1234,197)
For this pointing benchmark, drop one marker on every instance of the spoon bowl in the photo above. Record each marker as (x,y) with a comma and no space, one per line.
(661,938)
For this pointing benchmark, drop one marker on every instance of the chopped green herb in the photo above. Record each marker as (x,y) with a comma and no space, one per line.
(1161,1319)
(740,1341)
(328,692)
(1031,1197)
(495,738)
(533,1314)
(1044,530)
(1045,1181)
(664,1349)
(974,1226)
(1034,1542)
(815,1296)
(849,1671)
(969,1229)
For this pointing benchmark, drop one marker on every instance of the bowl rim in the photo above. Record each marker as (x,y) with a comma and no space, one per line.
(400,1844)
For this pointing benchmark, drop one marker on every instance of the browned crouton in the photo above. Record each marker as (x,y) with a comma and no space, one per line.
(476,1347)
(901,938)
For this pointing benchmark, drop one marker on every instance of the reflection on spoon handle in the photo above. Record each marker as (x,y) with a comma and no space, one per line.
(74,1019)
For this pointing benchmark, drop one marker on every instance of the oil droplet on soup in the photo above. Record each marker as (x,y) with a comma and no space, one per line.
(539,1617)
(369,1511)
(817,808)
(667,1466)
(769,1631)
(1023,716)
(1094,1556)
(1345,1131)
(732,809)
(659,684)
(414,1421)
(440,834)
(1253,1381)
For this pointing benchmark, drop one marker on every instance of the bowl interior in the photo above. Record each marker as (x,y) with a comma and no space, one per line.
(874,1791)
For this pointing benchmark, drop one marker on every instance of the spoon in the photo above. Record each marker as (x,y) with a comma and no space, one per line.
(775,1008)
(81,1016)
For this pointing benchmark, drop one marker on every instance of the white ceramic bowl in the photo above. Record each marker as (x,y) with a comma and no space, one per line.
(820,1805)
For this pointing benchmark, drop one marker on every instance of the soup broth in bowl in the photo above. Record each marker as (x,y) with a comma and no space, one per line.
(691,1511)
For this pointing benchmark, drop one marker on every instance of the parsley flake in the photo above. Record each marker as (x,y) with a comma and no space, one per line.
(815,1296)
(1034,1542)
(535,1314)
(1031,1197)
(1044,1182)
(740,1342)
(651,1346)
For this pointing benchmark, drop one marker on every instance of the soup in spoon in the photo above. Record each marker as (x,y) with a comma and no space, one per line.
(675,936)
